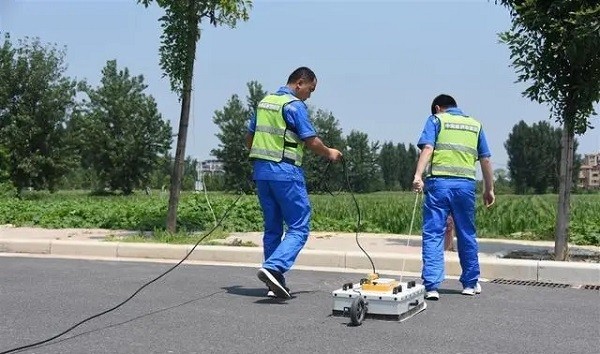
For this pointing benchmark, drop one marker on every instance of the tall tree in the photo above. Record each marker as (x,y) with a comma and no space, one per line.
(317,178)
(534,157)
(255,94)
(555,46)
(181,32)
(410,164)
(389,160)
(122,135)
(405,175)
(543,159)
(232,121)
(36,102)
(516,148)
(363,168)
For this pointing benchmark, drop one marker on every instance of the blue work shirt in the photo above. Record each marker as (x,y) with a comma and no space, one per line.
(296,116)
(432,129)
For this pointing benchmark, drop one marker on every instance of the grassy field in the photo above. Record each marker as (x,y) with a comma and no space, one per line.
(516,217)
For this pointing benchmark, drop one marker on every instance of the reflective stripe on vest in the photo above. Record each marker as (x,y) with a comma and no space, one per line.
(275,154)
(273,141)
(278,131)
(455,152)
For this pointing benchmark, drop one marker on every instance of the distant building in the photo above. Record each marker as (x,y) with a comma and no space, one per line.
(589,173)
(211,166)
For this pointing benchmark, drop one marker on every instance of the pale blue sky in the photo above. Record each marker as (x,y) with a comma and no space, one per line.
(379,63)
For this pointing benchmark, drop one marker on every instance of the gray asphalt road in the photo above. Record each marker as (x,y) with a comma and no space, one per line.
(218,309)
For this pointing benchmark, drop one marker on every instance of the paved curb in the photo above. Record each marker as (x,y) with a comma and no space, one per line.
(491,268)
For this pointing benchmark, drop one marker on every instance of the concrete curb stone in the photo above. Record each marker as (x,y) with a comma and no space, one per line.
(491,268)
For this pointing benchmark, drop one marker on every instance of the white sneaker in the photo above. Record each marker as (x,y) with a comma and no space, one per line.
(472,291)
(432,295)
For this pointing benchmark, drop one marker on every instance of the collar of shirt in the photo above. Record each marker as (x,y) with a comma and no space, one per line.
(452,110)
(455,111)
(285,90)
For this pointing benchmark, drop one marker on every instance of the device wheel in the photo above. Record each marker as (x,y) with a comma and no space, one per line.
(358,310)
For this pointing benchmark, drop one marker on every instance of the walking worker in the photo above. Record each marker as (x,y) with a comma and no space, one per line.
(451,143)
(276,137)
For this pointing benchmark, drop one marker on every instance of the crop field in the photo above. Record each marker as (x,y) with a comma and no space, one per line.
(514,217)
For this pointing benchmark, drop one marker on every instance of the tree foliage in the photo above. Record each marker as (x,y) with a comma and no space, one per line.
(409,159)
(232,121)
(555,47)
(362,161)
(180,25)
(161,174)
(397,164)
(36,102)
(389,160)
(534,157)
(122,136)
(320,175)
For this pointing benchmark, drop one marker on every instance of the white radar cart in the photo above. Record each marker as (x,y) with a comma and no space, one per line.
(377,297)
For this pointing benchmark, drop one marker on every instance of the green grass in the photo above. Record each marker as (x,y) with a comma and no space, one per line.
(515,217)
(180,237)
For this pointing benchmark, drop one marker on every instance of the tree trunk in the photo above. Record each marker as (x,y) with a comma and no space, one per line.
(186,96)
(564,193)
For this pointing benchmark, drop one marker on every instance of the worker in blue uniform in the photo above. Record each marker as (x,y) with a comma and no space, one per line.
(451,143)
(277,134)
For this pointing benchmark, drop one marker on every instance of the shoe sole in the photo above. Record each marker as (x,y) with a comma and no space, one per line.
(272,283)
(432,298)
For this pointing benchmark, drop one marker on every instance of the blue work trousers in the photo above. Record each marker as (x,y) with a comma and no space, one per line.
(283,201)
(457,197)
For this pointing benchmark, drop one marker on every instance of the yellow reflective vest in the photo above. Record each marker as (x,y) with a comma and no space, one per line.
(455,152)
(273,140)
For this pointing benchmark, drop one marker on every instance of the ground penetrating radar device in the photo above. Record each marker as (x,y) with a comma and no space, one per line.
(379,297)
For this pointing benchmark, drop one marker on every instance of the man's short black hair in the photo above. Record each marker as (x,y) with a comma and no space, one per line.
(302,73)
(444,101)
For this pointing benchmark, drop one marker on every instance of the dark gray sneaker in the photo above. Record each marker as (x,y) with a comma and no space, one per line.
(275,282)
(271,294)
